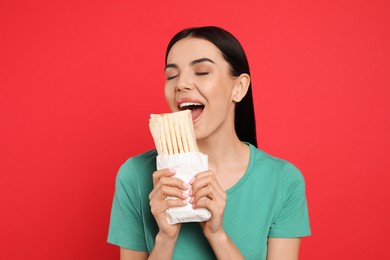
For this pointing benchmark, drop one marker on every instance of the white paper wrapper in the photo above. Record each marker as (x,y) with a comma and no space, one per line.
(187,165)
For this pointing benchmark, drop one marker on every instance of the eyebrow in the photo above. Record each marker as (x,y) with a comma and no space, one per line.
(192,63)
(201,60)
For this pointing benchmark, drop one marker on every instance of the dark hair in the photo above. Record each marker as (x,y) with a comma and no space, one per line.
(234,54)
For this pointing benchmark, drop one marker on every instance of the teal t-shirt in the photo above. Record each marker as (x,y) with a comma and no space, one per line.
(268,201)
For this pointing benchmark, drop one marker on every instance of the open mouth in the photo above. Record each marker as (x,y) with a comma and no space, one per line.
(196,108)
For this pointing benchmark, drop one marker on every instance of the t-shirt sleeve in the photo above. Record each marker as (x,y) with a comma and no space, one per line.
(292,220)
(126,225)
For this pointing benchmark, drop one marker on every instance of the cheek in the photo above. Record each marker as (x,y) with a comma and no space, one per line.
(166,93)
(167,90)
(219,93)
(169,95)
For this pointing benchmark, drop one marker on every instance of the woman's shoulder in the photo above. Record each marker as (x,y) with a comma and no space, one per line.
(142,158)
(138,165)
(276,165)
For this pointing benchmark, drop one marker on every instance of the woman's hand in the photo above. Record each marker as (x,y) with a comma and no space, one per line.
(166,185)
(207,193)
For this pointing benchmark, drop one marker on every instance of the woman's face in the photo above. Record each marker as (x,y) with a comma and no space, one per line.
(198,78)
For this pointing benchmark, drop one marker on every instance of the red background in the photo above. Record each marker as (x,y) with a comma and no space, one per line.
(78,80)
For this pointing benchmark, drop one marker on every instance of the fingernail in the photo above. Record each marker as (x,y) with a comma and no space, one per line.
(185,201)
(186,185)
(172,170)
(192,200)
(185,195)
(190,192)
(192,180)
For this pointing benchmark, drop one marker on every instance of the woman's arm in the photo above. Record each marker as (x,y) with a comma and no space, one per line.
(283,248)
(162,249)
(126,254)
(224,248)
(165,185)
(207,193)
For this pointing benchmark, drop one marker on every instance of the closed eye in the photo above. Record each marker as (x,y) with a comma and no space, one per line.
(201,73)
(171,77)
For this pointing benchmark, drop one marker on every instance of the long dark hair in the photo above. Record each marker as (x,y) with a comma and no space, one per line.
(234,54)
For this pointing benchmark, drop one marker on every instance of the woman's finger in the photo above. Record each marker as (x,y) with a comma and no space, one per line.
(216,208)
(208,191)
(167,191)
(159,208)
(164,178)
(206,179)
(157,175)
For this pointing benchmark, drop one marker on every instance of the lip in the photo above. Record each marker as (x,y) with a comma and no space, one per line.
(190,100)
(187,100)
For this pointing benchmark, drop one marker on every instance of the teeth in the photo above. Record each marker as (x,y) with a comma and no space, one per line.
(187,104)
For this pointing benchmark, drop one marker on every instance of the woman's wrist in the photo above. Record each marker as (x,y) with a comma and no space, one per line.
(164,246)
(218,237)
(223,246)
(166,238)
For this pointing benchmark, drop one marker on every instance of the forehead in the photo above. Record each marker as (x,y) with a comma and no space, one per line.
(189,49)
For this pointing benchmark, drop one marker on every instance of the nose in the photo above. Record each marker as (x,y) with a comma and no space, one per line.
(184,84)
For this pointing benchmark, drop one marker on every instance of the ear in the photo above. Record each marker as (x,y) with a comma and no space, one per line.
(240,87)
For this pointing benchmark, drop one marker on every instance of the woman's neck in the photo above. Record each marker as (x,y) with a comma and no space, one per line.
(228,159)
(224,152)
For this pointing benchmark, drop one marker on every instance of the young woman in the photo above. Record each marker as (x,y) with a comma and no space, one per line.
(257,201)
